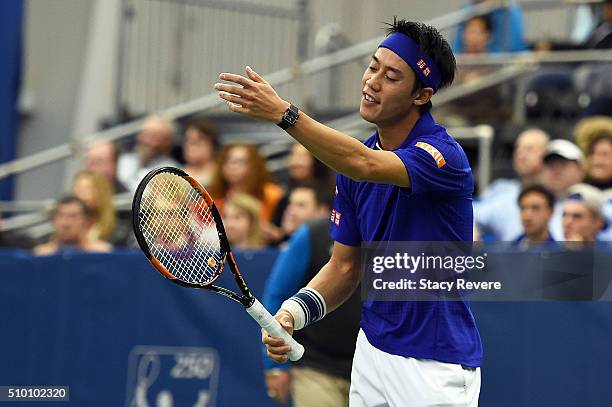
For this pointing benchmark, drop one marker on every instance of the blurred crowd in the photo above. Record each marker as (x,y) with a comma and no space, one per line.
(257,210)
(561,189)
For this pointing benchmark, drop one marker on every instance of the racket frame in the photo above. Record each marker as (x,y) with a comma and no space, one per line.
(246,299)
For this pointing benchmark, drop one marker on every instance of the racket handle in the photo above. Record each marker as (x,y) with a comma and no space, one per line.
(272,327)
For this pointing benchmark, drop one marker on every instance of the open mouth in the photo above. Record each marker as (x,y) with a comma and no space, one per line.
(369,98)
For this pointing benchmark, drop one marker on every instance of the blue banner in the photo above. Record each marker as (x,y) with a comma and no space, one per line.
(11,14)
(118,334)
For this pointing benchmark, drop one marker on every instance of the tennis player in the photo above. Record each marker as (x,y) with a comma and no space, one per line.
(410,181)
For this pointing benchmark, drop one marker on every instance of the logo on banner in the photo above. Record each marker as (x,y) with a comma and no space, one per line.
(160,376)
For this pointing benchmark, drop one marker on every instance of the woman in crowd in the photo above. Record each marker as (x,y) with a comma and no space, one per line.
(241,169)
(241,220)
(199,149)
(96,192)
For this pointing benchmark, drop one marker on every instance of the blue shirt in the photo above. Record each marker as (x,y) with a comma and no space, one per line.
(436,207)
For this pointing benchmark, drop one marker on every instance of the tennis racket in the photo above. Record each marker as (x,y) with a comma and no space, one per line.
(179,229)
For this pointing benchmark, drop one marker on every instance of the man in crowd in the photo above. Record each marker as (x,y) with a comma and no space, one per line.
(72,220)
(153,149)
(501,196)
(101,158)
(322,376)
(582,214)
(536,204)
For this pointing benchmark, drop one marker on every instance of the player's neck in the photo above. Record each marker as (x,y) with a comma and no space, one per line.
(392,136)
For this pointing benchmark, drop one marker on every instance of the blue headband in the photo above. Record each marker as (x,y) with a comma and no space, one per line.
(424,67)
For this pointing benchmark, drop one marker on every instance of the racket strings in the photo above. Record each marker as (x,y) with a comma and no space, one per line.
(180,230)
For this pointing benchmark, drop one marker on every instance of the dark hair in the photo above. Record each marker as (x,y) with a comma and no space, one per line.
(539,189)
(70,199)
(323,192)
(206,128)
(431,43)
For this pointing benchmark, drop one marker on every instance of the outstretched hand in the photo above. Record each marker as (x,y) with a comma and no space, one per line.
(253,97)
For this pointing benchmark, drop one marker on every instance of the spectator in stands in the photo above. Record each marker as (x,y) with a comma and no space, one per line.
(536,204)
(506,30)
(491,102)
(241,214)
(153,149)
(322,376)
(563,166)
(501,196)
(302,166)
(199,149)
(72,220)
(594,136)
(101,158)
(601,37)
(96,192)
(307,200)
(477,34)
(582,213)
(241,168)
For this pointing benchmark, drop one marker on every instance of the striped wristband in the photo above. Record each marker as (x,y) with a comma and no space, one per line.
(306,307)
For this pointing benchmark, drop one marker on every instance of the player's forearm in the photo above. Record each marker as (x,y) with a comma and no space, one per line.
(337,150)
(336,283)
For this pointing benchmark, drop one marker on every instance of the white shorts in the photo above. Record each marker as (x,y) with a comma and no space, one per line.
(380,379)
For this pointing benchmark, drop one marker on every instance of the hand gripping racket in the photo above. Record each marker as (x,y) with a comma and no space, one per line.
(180,230)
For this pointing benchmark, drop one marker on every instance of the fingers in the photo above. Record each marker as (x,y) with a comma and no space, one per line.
(254,75)
(276,348)
(239,79)
(236,108)
(232,98)
(236,90)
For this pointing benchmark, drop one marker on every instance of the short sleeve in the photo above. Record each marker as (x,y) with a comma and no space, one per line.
(432,169)
(343,218)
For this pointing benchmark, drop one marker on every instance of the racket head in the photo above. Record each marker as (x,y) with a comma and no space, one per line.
(179,228)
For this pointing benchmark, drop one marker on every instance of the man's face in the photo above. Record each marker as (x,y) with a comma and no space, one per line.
(560,174)
(301,163)
(302,208)
(600,161)
(99,159)
(579,222)
(386,89)
(529,152)
(155,139)
(197,147)
(70,223)
(476,36)
(535,213)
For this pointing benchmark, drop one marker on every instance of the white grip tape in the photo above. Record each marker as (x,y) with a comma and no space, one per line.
(273,328)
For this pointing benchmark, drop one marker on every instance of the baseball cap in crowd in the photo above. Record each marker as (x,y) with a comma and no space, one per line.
(564,149)
(590,196)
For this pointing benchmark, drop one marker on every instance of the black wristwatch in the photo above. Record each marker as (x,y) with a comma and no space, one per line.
(291,116)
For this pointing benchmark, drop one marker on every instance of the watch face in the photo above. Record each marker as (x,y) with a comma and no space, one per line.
(292,116)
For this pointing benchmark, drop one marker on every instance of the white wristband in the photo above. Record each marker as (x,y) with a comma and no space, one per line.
(296,311)
(307,306)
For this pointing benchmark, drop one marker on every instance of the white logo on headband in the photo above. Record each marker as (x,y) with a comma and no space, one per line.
(423,67)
